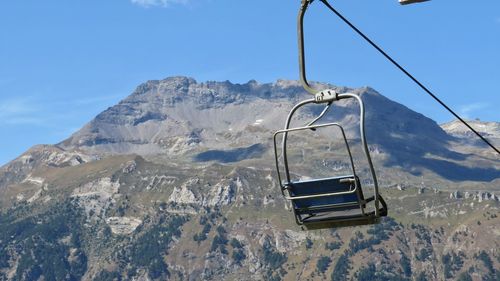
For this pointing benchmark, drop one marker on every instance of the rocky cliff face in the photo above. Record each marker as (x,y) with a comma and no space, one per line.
(178,116)
(160,113)
(177,182)
(489,130)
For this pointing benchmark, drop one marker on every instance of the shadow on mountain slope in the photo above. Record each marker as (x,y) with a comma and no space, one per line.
(416,152)
(413,163)
(233,155)
(416,142)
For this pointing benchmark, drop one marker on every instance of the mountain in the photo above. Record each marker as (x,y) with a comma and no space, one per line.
(179,115)
(490,130)
(177,182)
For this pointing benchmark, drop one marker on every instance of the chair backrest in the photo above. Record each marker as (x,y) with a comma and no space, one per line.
(350,196)
(284,149)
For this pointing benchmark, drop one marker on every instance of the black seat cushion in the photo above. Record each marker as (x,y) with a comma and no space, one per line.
(322,186)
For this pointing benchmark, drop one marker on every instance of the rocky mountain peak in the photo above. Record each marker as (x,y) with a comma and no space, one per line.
(175,82)
(161,112)
(487,129)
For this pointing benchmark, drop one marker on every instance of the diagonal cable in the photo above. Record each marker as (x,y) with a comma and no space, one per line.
(407,73)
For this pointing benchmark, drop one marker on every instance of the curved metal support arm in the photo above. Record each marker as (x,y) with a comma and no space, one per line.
(365,144)
(302,59)
(325,110)
(285,135)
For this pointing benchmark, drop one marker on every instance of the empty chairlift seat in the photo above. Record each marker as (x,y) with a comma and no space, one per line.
(324,195)
(332,201)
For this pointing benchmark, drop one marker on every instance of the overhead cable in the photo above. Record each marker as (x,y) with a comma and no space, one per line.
(380,50)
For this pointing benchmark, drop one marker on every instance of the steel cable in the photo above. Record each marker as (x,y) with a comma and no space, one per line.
(380,50)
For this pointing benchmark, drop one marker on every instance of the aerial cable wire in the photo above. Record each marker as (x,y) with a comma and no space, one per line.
(395,63)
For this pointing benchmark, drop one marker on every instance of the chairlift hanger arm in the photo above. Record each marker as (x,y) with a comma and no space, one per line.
(302,57)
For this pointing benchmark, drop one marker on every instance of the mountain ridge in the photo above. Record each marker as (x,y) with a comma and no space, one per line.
(178,115)
(148,101)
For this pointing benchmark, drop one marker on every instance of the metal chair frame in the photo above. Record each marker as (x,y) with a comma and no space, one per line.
(354,187)
(326,96)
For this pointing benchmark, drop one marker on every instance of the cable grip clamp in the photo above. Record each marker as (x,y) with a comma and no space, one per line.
(325,96)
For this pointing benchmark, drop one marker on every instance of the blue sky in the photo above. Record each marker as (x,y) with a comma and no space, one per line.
(63,62)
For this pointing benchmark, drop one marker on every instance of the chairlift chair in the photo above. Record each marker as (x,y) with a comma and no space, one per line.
(331,201)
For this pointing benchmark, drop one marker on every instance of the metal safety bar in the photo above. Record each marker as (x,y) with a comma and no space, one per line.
(322,195)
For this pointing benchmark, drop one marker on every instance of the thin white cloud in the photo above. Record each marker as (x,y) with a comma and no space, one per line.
(93,100)
(33,111)
(158,3)
(468,110)
(19,111)
(25,120)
